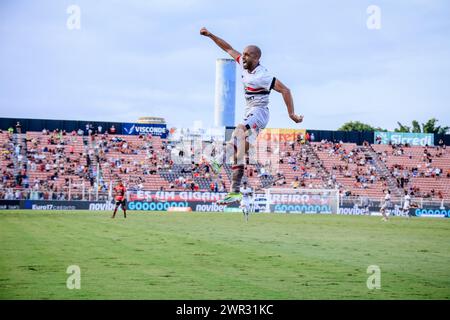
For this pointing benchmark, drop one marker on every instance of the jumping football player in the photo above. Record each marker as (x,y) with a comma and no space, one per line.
(258,83)
(121,200)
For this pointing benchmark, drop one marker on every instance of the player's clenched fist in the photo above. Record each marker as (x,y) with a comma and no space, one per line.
(205,32)
(296,118)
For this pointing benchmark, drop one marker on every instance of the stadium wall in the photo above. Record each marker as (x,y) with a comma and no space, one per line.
(347,136)
(49,124)
(71,125)
(344,136)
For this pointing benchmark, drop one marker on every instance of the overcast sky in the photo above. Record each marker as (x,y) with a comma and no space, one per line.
(146,58)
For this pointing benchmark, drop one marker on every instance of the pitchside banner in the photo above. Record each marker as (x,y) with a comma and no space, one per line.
(54,205)
(66,205)
(302,203)
(206,202)
(396,210)
(159,130)
(163,200)
(433,212)
(10,204)
(273,134)
(413,139)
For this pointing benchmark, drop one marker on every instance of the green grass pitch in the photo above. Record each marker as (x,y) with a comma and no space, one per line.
(218,256)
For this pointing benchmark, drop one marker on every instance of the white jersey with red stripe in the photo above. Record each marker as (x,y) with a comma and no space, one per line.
(246,200)
(257,86)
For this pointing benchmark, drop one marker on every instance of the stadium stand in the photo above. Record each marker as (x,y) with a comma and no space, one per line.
(423,171)
(62,165)
(351,168)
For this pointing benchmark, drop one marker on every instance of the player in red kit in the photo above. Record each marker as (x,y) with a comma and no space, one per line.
(121,200)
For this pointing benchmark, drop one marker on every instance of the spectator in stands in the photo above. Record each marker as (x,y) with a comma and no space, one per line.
(330,182)
(17,149)
(263,172)
(437,172)
(292,145)
(308,137)
(378,139)
(302,138)
(296,183)
(18,127)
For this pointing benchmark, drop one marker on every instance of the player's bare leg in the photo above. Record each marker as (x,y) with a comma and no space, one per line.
(406,212)
(240,147)
(383,213)
(409,211)
(114,213)
(124,212)
(245,211)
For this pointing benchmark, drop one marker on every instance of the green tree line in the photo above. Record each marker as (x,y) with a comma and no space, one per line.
(430,126)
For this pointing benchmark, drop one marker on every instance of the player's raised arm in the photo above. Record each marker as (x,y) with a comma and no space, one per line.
(225,46)
(287,97)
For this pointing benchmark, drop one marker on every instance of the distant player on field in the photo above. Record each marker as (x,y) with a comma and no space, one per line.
(120,198)
(386,204)
(247,199)
(258,83)
(407,204)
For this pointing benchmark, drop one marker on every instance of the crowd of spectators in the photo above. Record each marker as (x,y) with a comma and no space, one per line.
(351,162)
(405,164)
(296,167)
(47,165)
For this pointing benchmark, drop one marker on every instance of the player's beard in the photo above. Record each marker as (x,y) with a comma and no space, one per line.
(248,66)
